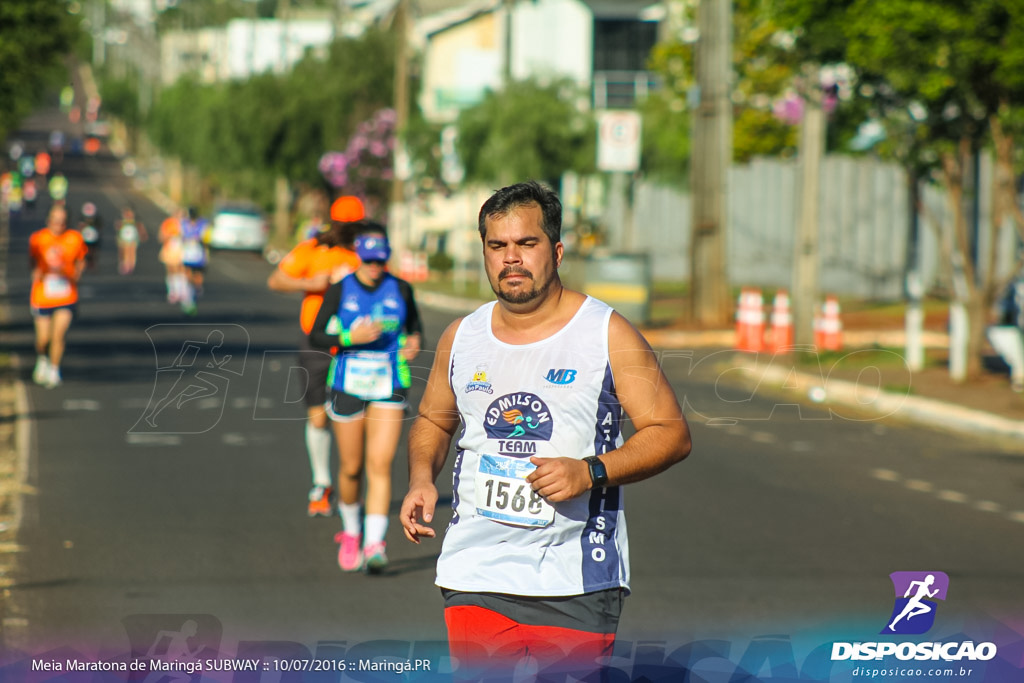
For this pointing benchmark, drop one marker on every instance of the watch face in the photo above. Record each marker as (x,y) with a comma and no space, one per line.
(598,474)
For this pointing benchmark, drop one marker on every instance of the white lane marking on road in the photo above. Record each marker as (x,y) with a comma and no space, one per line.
(211,403)
(885,475)
(134,403)
(802,446)
(946,495)
(153,439)
(764,437)
(234,439)
(81,404)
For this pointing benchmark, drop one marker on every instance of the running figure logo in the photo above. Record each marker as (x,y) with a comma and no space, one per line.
(518,416)
(190,391)
(172,646)
(914,612)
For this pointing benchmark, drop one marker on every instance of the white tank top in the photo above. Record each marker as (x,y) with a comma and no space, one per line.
(549,398)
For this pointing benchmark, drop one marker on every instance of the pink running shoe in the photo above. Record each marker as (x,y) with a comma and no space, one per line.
(350,558)
(376,558)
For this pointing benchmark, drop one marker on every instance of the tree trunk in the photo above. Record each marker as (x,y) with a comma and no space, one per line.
(964,282)
(709,163)
(1005,199)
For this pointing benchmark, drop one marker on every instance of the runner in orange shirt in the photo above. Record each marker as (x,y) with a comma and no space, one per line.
(58,259)
(310,268)
(172,255)
(43,163)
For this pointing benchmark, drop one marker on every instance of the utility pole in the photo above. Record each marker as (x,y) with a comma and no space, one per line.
(506,66)
(805,256)
(400,26)
(709,165)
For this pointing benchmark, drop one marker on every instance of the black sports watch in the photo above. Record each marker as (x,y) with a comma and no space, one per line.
(598,474)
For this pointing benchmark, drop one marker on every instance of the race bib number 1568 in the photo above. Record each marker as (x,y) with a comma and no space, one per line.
(503,495)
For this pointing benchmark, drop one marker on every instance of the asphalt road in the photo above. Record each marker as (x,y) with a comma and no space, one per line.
(145,513)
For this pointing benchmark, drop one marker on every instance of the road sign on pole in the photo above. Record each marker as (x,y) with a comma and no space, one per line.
(618,141)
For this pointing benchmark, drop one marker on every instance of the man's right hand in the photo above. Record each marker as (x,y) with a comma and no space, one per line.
(418,505)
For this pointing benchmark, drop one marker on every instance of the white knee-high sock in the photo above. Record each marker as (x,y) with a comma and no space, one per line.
(350,517)
(376,529)
(318,445)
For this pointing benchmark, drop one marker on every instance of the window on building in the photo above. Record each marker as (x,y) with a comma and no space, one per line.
(623,44)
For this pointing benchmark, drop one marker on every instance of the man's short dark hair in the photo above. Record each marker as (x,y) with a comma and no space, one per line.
(524,194)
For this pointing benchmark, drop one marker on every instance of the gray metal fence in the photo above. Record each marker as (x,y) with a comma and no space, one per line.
(865,226)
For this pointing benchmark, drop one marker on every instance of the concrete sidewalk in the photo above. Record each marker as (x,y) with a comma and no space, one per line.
(920,410)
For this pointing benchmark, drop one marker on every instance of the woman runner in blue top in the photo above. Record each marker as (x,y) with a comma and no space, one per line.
(370,318)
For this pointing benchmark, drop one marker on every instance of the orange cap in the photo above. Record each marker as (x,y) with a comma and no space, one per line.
(347,209)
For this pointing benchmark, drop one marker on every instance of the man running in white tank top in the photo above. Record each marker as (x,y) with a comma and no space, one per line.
(535,563)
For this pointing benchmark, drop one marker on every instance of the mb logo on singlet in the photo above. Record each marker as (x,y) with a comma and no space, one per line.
(916,592)
(562,376)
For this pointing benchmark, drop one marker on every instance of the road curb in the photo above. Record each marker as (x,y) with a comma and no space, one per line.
(939,414)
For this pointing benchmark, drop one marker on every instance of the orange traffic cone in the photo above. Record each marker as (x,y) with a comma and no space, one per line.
(407,265)
(782,323)
(750,321)
(828,329)
(421,269)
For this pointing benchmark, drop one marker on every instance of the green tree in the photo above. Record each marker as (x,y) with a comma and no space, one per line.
(240,135)
(960,65)
(765,68)
(121,99)
(35,38)
(527,130)
(946,76)
(665,152)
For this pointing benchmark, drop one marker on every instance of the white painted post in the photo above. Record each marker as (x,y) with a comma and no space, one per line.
(914,322)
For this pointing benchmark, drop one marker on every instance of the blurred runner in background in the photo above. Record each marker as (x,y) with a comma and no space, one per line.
(310,268)
(193,256)
(130,232)
(92,232)
(58,258)
(58,187)
(172,256)
(371,318)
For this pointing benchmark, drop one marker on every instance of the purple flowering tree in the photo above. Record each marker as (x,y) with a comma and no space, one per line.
(366,167)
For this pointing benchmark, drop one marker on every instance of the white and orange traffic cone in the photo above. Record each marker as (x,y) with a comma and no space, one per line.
(828,329)
(781,337)
(421,269)
(750,320)
(406,265)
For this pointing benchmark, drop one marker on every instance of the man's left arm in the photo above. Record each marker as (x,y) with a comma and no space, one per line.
(662,436)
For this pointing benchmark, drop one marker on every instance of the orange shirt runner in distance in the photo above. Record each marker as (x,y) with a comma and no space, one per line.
(56,263)
(308,259)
